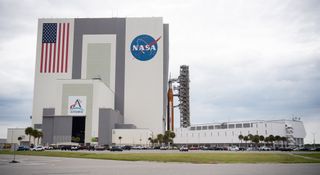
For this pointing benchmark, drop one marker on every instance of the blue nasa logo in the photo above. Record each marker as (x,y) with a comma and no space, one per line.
(144,47)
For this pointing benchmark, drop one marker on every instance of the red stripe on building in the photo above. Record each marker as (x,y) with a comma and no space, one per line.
(67,48)
(46,58)
(54,57)
(41,60)
(50,53)
(62,52)
(59,34)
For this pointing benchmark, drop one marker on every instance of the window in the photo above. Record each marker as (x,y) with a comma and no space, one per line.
(205,134)
(239,125)
(266,132)
(211,133)
(198,127)
(248,132)
(265,125)
(204,127)
(211,127)
(218,133)
(217,127)
(257,132)
(251,125)
(256,125)
(232,133)
(231,126)
(246,125)
(193,128)
(225,133)
(224,126)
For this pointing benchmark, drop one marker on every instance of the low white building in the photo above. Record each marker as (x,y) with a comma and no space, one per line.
(228,132)
(131,137)
(14,133)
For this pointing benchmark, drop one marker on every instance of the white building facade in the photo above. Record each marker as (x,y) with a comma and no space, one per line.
(93,75)
(228,132)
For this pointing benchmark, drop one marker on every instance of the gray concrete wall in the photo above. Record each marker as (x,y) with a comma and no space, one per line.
(47,123)
(62,129)
(108,118)
(165,70)
(56,129)
(115,26)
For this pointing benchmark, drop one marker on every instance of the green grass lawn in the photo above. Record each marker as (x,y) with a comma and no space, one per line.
(312,155)
(209,158)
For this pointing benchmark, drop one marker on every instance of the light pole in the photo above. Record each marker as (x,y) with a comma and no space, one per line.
(314,140)
(14,148)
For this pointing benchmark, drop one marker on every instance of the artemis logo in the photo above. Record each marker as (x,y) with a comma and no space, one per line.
(144,47)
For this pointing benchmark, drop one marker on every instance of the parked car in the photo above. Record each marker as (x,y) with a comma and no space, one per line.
(184,148)
(74,148)
(37,148)
(264,148)
(194,148)
(115,148)
(233,148)
(23,148)
(126,147)
(164,148)
(65,147)
(99,148)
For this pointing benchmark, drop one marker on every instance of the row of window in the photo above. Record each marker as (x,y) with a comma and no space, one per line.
(222,133)
(222,126)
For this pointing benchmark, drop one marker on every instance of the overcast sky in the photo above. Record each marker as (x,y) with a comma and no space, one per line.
(248,59)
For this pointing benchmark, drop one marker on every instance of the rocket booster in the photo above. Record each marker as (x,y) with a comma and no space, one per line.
(170,119)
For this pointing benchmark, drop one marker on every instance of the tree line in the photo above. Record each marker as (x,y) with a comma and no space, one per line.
(36,134)
(260,138)
(166,138)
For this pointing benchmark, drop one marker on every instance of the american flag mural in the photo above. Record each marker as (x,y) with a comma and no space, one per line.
(55,48)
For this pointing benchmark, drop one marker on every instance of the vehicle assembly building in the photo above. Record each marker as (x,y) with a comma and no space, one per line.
(95,75)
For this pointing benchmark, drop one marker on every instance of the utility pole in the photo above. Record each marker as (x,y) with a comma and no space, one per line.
(314,140)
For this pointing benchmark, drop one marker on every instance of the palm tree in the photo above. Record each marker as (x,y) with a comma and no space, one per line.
(160,138)
(261,138)
(277,138)
(271,139)
(246,139)
(120,139)
(255,139)
(20,138)
(35,134)
(40,135)
(28,131)
(283,139)
(240,138)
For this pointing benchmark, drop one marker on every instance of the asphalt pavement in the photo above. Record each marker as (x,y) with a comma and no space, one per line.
(52,165)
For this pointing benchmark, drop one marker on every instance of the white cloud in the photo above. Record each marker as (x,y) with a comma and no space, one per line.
(248,59)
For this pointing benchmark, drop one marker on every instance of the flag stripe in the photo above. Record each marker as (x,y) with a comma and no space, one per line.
(54,57)
(46,58)
(41,60)
(59,34)
(62,52)
(67,48)
(50,53)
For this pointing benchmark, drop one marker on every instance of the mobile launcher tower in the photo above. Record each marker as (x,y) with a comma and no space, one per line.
(183,96)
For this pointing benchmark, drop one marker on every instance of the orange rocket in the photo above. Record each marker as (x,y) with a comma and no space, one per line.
(170,118)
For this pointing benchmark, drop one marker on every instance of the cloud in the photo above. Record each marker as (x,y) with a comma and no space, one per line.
(248,59)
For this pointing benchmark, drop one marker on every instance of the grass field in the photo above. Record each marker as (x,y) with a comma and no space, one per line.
(206,158)
(313,155)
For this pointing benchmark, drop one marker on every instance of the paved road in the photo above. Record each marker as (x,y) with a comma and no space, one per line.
(51,165)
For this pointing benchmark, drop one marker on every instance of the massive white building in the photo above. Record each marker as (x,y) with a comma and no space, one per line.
(98,74)
(228,132)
